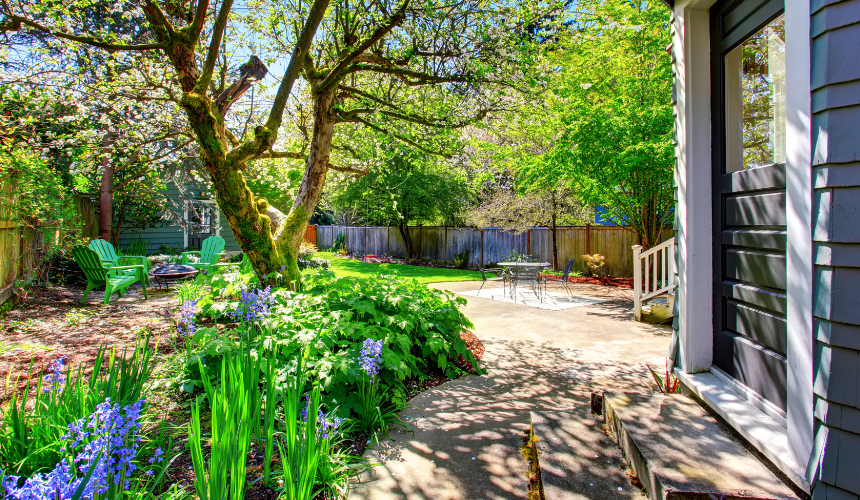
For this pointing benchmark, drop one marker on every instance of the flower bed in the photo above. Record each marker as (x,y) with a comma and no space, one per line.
(597,280)
(286,386)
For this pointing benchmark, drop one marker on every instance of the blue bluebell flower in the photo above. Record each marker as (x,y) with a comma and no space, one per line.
(370,359)
(110,433)
(185,325)
(254,305)
(54,381)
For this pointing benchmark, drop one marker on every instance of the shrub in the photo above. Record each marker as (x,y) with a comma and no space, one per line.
(339,243)
(595,263)
(419,329)
(169,250)
(189,290)
(461,259)
(314,263)
(307,250)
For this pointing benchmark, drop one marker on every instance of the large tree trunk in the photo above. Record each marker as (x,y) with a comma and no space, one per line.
(106,190)
(269,238)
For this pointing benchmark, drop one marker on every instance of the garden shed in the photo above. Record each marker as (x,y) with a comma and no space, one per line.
(202,219)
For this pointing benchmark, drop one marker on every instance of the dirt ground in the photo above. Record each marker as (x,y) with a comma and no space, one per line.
(51,322)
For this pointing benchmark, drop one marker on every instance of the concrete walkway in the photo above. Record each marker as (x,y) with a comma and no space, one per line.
(468,432)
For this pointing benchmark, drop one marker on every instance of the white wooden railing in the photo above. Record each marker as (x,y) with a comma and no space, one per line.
(659,265)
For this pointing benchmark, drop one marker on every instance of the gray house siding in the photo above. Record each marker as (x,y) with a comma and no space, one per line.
(174,236)
(836,144)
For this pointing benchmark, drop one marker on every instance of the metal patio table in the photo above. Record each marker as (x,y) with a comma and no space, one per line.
(525,272)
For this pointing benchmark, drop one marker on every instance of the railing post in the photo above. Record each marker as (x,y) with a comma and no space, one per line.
(637,282)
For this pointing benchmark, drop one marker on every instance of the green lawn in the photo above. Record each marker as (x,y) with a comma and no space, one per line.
(350,267)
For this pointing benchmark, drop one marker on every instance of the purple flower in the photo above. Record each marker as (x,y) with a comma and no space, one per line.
(371,357)
(110,433)
(185,325)
(157,457)
(326,427)
(55,380)
(254,305)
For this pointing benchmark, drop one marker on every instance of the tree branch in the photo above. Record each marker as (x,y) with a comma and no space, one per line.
(413,118)
(280,154)
(401,138)
(196,27)
(315,16)
(214,47)
(252,71)
(348,170)
(380,32)
(418,78)
(14,23)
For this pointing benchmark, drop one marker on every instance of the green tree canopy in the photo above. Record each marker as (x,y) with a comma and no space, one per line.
(604,122)
(409,187)
(407,69)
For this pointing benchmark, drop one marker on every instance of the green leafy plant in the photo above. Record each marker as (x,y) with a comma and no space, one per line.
(419,327)
(235,406)
(75,317)
(189,290)
(339,243)
(668,384)
(461,260)
(301,443)
(137,246)
(375,416)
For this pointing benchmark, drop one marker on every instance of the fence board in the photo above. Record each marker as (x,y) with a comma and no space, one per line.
(440,243)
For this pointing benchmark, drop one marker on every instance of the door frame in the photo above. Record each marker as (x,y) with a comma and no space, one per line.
(764,13)
(216,222)
(694,175)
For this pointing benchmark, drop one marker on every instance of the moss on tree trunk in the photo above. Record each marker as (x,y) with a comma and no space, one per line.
(269,238)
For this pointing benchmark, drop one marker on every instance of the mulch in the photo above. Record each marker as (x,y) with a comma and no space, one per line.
(598,280)
(51,322)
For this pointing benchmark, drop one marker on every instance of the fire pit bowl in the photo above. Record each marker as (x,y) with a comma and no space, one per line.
(171,273)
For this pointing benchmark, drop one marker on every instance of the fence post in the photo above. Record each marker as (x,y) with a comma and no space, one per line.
(588,238)
(529,242)
(637,283)
(482,248)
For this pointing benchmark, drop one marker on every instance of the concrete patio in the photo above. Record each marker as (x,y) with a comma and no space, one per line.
(468,432)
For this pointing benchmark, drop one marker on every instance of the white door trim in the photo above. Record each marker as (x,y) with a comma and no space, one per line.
(800,264)
(691,49)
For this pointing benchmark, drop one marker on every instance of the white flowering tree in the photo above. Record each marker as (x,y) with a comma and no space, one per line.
(398,67)
(121,125)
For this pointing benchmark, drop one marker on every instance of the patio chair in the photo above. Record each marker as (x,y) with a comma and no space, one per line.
(108,255)
(502,277)
(521,275)
(210,253)
(562,279)
(114,278)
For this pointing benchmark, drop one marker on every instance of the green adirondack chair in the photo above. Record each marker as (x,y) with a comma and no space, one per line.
(113,278)
(210,252)
(108,255)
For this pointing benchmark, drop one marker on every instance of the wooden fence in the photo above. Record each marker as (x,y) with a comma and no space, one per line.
(23,247)
(493,245)
(15,242)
